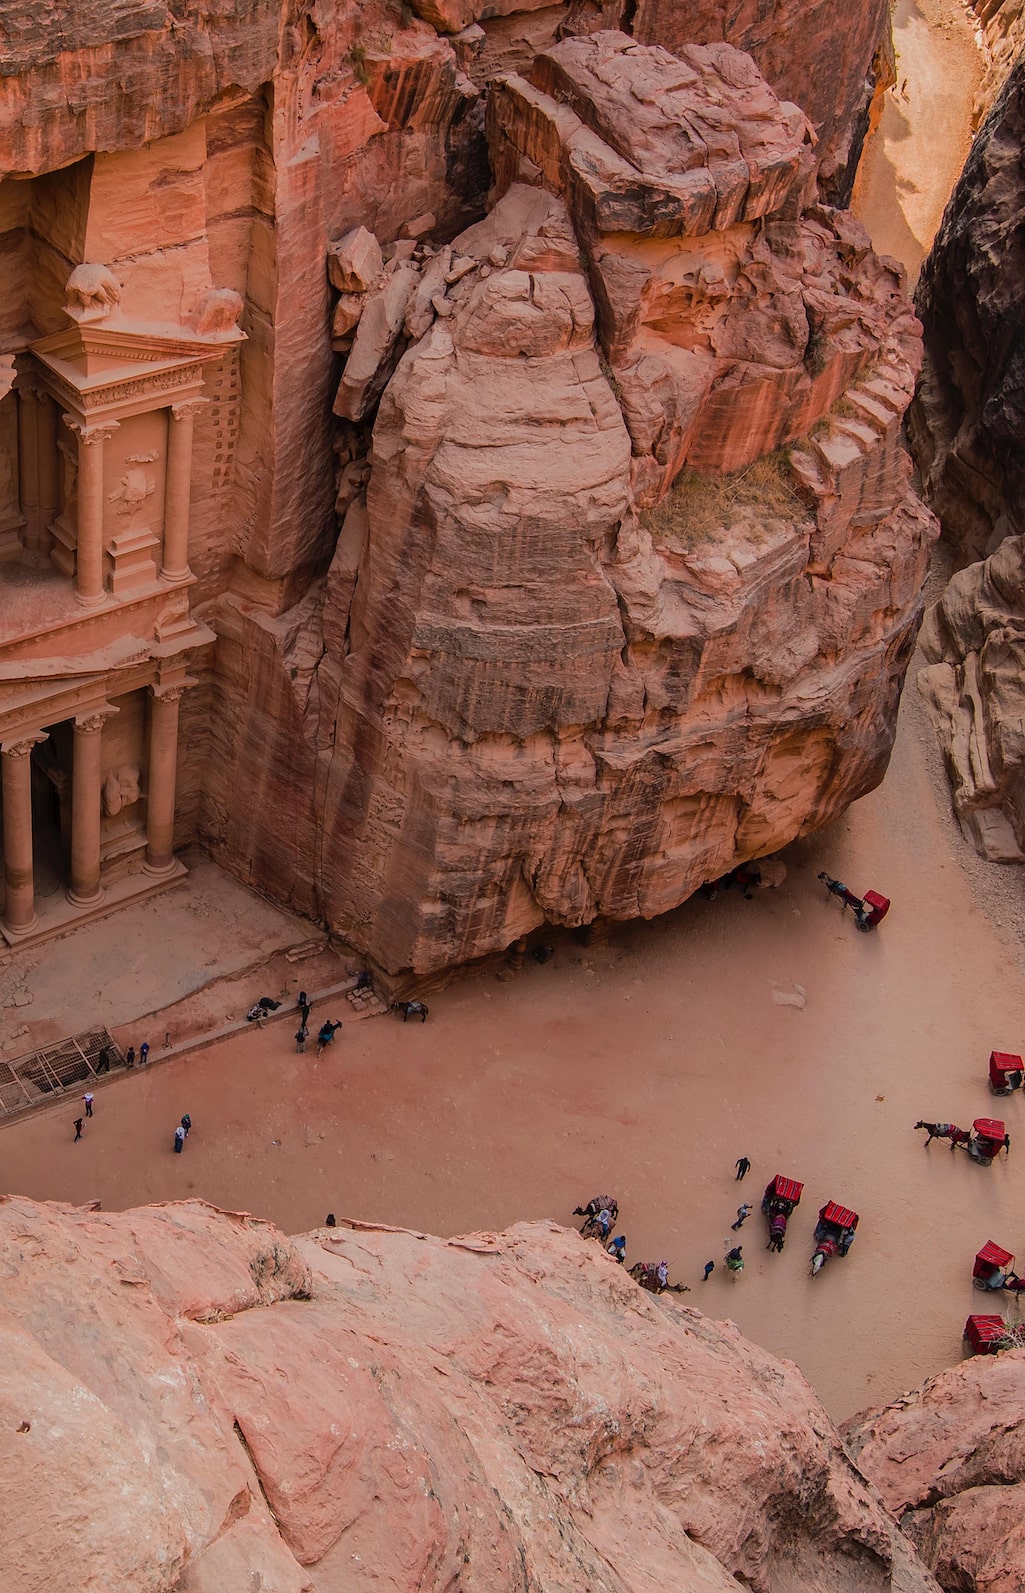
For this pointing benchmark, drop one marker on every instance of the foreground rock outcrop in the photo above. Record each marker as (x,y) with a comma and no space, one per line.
(193,1403)
(949,1461)
(966,426)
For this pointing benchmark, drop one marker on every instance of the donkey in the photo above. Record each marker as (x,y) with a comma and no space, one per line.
(412,1009)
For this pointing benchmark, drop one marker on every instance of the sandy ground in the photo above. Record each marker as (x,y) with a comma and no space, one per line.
(914,159)
(647,1066)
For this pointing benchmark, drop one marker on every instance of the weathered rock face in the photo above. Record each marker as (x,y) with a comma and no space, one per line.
(966,422)
(557,560)
(949,1461)
(966,426)
(589,665)
(830,71)
(193,1403)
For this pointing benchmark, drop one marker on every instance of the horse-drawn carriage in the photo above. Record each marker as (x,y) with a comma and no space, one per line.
(834,1233)
(986,1140)
(1006,1072)
(869,910)
(985,1334)
(782,1196)
(994,1269)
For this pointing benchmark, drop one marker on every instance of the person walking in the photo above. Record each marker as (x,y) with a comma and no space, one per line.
(187,1124)
(304,1010)
(88,1099)
(617,1248)
(743,1168)
(143,1053)
(709,1269)
(302,1034)
(130,1057)
(179,1140)
(735,1259)
(78,1128)
(743,1213)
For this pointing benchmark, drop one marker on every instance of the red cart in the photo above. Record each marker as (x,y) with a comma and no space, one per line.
(984,1334)
(834,1233)
(986,1140)
(781,1197)
(993,1265)
(1006,1072)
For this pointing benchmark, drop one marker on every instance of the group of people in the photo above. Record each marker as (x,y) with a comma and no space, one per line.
(600,1216)
(325,1034)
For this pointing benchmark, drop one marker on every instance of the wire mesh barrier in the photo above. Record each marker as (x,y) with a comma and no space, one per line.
(42,1075)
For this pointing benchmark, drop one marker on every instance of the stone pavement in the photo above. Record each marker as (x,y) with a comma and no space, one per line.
(149,957)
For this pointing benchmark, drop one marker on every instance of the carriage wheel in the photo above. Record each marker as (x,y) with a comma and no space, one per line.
(979,1283)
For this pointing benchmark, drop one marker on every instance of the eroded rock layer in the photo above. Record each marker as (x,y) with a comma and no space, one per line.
(949,1461)
(640,565)
(194,1404)
(549,550)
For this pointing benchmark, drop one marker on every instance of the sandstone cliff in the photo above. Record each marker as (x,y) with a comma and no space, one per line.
(949,1462)
(558,544)
(193,1403)
(966,425)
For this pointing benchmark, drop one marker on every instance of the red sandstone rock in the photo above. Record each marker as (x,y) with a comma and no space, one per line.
(949,1461)
(193,1403)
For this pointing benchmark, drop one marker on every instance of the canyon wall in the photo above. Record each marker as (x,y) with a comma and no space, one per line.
(193,1403)
(949,1461)
(966,425)
(551,518)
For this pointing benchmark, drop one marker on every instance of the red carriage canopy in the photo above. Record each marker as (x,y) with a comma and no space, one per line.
(989,1128)
(991,1255)
(984,1333)
(785,1189)
(841,1215)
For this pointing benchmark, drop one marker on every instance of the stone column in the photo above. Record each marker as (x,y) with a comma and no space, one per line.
(86,793)
(174,564)
(89,538)
(160,778)
(28,461)
(46,443)
(16,760)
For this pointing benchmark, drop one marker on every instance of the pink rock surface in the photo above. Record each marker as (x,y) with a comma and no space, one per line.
(210,1404)
(949,1461)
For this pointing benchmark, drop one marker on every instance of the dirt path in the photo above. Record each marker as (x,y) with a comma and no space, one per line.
(915,156)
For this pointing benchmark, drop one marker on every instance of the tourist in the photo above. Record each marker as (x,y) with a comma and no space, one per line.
(743,1213)
(326,1035)
(329,1220)
(143,1053)
(130,1057)
(304,1010)
(734,1259)
(179,1139)
(88,1099)
(617,1248)
(743,1168)
(302,1034)
(187,1124)
(78,1128)
(709,1269)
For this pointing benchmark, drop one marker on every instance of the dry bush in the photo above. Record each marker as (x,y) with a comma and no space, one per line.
(700,508)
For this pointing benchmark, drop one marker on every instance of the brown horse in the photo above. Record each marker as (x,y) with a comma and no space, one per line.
(957,1136)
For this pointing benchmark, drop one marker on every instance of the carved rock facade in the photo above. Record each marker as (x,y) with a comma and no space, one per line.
(604,571)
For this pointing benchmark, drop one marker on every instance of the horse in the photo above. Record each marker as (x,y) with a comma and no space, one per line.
(777,1231)
(957,1136)
(600,1203)
(412,1009)
(837,888)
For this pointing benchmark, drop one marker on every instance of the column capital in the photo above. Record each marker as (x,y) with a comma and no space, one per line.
(30,392)
(21,747)
(90,435)
(89,724)
(173,693)
(188,407)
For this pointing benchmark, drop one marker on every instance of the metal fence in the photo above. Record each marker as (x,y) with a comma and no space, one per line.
(42,1075)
